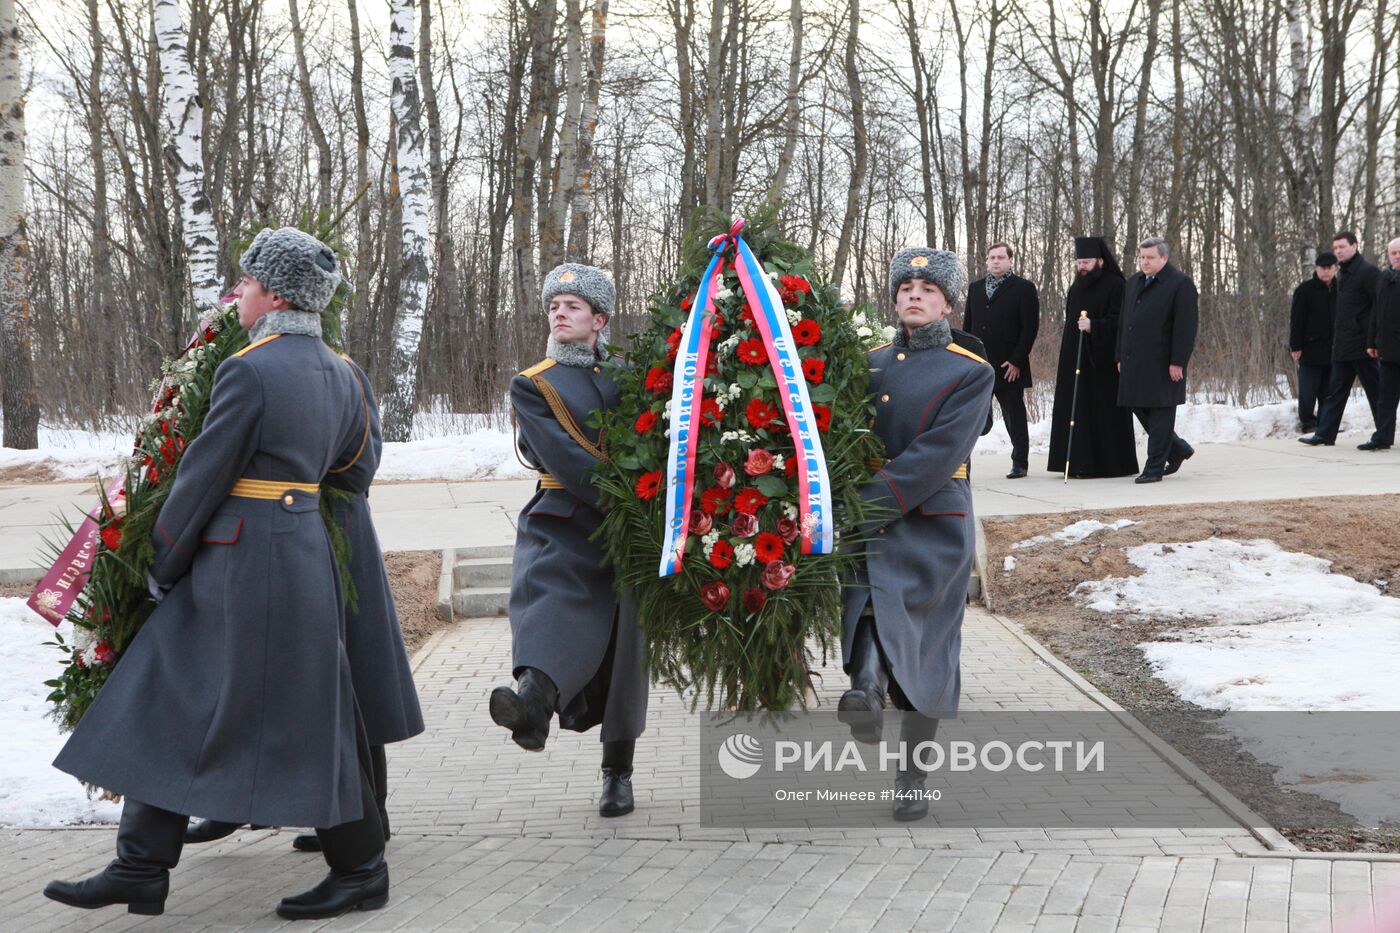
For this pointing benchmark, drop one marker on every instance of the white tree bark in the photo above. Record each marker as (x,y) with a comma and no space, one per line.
(20,402)
(402,397)
(184,115)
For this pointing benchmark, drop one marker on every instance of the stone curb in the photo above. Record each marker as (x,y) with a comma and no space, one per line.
(445,585)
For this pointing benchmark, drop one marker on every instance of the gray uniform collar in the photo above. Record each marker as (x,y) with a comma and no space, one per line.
(304,323)
(572,354)
(931,336)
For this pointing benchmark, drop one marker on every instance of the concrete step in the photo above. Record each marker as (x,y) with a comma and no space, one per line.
(502,551)
(481,601)
(481,571)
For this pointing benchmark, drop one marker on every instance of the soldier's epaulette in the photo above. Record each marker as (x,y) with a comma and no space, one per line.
(967,353)
(253,346)
(880,347)
(538,368)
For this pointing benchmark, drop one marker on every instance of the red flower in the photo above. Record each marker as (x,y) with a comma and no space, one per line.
(673,344)
(788,529)
(751,351)
(715,501)
(792,287)
(645,422)
(659,380)
(714,595)
(168,449)
(814,369)
(103,653)
(687,301)
(747,316)
(711,363)
(759,462)
(78,660)
(648,485)
(744,526)
(790,466)
(112,536)
(721,556)
(768,547)
(750,501)
(823,414)
(807,332)
(754,600)
(152,473)
(761,414)
(710,412)
(718,325)
(777,575)
(700,523)
(724,475)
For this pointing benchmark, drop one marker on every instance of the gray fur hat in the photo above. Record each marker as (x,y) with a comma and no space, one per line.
(937,266)
(590,283)
(295,265)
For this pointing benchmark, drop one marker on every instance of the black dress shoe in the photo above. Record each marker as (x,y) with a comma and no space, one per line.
(1174,465)
(617,793)
(307,842)
(106,888)
(526,711)
(1148,478)
(212,831)
(339,892)
(1017,472)
(1312,440)
(1372,445)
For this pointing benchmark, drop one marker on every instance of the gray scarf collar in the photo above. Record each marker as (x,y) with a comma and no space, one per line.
(572,354)
(993,283)
(932,336)
(304,323)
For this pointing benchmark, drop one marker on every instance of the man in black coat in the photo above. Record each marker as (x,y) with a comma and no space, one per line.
(1356,298)
(1156,334)
(1383,346)
(1310,336)
(1003,311)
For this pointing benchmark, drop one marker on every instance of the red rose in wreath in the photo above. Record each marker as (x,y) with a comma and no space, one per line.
(754,600)
(807,332)
(714,595)
(648,485)
(112,537)
(750,501)
(102,653)
(777,575)
(758,463)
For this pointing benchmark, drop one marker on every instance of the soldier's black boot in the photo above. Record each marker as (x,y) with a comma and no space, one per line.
(527,709)
(863,706)
(310,842)
(212,831)
(909,801)
(617,778)
(359,876)
(148,846)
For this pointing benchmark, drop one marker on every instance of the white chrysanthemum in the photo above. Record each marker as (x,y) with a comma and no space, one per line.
(889,332)
(790,510)
(778,462)
(722,294)
(863,331)
(708,542)
(666,412)
(858,318)
(83,637)
(793,316)
(743,554)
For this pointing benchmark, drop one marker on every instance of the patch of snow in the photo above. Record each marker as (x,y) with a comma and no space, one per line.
(1073,534)
(1009,564)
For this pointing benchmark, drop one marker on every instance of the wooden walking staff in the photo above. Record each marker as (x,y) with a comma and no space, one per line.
(1074,396)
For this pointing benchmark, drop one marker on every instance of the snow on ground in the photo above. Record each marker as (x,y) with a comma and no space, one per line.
(32,791)
(1073,534)
(1283,633)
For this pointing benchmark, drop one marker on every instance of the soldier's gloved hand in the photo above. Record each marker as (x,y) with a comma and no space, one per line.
(155,589)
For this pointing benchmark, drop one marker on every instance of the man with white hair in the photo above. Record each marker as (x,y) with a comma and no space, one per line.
(1383,345)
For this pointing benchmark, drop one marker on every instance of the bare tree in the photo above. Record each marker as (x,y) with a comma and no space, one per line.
(858,146)
(579,241)
(20,400)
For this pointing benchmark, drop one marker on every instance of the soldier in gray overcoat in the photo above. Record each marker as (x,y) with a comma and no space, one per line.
(379,665)
(901,633)
(235,699)
(577,649)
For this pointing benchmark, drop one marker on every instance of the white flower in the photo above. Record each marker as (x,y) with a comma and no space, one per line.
(889,332)
(666,412)
(858,319)
(778,462)
(863,331)
(743,554)
(793,316)
(790,510)
(83,637)
(722,294)
(709,542)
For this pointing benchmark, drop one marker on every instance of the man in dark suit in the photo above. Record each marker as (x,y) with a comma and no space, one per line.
(1156,334)
(1003,311)
(1356,299)
(1310,336)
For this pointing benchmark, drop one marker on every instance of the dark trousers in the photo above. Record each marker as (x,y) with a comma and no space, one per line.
(1013,415)
(1162,441)
(1339,382)
(1312,391)
(1388,400)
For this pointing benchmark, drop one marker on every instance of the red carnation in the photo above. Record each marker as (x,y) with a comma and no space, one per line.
(687,301)
(807,332)
(112,536)
(788,529)
(700,523)
(751,351)
(724,475)
(744,526)
(721,556)
(768,547)
(792,287)
(754,600)
(715,501)
(750,501)
(659,380)
(761,414)
(710,412)
(711,363)
(673,344)
(747,316)
(648,485)
(814,369)
(777,575)
(645,422)
(714,595)
(823,414)
(152,474)
(102,653)
(759,462)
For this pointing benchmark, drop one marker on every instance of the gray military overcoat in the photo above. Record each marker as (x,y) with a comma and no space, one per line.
(235,700)
(564,618)
(379,663)
(930,407)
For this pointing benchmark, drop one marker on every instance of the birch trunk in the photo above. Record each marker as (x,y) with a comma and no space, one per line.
(401,400)
(102,307)
(20,401)
(184,117)
(1139,155)
(579,233)
(540,26)
(791,113)
(859,158)
(357,327)
(561,198)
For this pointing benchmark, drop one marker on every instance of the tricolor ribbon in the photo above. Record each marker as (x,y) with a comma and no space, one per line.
(687,393)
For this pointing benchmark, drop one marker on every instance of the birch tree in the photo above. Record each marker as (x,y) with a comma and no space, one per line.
(20,401)
(184,117)
(579,238)
(402,398)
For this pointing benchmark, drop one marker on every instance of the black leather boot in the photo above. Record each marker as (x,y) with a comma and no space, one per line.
(310,842)
(212,831)
(148,846)
(617,778)
(362,888)
(526,710)
(909,801)
(863,706)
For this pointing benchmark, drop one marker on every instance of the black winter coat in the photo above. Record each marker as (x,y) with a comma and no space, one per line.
(1356,299)
(1310,322)
(1385,321)
(1007,325)
(1157,329)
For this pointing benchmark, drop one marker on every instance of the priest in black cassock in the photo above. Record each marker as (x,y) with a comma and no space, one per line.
(1103,432)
